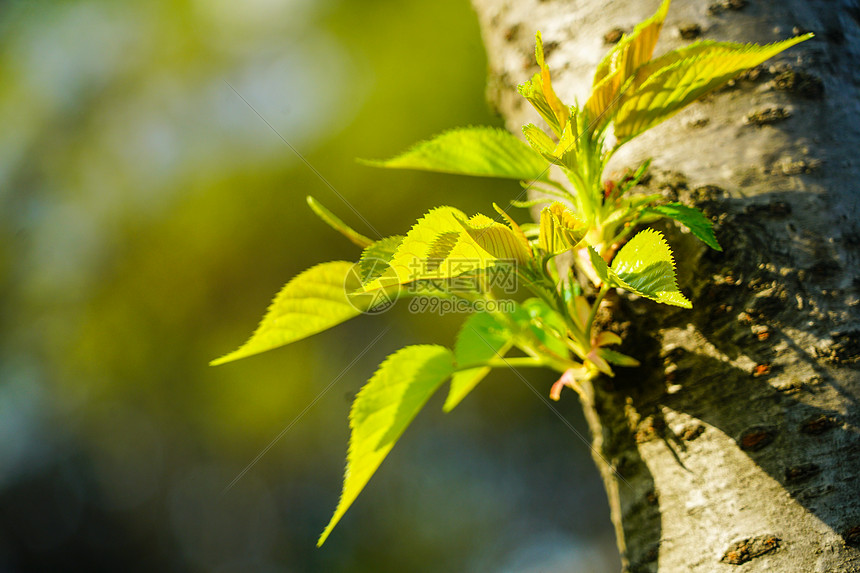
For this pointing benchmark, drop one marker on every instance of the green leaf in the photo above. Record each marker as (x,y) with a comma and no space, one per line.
(312,302)
(481,338)
(645,266)
(383,409)
(618,358)
(335,223)
(665,86)
(438,247)
(375,258)
(480,151)
(544,324)
(691,218)
(600,266)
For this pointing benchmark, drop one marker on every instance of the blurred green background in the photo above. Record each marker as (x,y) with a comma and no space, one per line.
(148,217)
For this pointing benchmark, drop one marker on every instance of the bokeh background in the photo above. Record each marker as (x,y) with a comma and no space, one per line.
(147,217)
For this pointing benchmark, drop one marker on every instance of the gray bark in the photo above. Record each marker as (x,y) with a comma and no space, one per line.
(737,439)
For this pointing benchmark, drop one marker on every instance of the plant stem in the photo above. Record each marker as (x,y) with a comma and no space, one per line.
(516,362)
(589,324)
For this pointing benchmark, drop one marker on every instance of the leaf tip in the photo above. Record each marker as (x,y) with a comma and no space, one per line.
(370,162)
(324,535)
(231,356)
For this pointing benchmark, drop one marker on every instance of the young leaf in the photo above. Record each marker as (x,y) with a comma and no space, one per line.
(560,230)
(481,338)
(645,266)
(498,239)
(691,218)
(599,362)
(564,153)
(480,151)
(560,110)
(538,91)
(528,204)
(568,378)
(603,101)
(631,180)
(541,142)
(568,148)
(514,227)
(312,302)
(606,338)
(665,86)
(383,409)
(618,66)
(335,223)
(613,357)
(409,260)
(438,247)
(599,265)
(634,49)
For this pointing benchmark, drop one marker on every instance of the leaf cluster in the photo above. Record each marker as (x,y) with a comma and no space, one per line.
(584,217)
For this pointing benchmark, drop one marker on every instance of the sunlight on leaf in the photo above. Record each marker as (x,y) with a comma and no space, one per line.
(541,142)
(691,218)
(514,226)
(312,302)
(665,86)
(645,266)
(560,230)
(618,66)
(383,409)
(497,238)
(375,258)
(539,93)
(441,246)
(633,49)
(480,151)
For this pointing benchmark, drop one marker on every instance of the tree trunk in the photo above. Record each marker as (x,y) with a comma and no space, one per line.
(737,440)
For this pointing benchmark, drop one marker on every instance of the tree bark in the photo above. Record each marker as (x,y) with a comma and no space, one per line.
(736,443)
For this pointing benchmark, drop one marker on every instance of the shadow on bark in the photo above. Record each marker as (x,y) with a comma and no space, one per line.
(775,284)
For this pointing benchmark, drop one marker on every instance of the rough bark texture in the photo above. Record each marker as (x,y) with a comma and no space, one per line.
(738,438)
